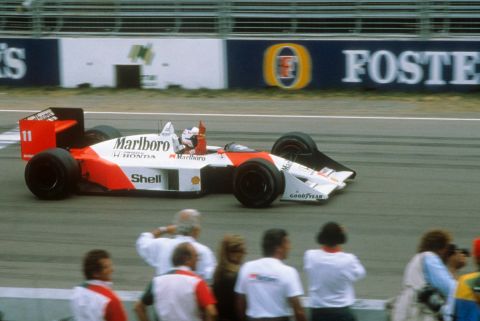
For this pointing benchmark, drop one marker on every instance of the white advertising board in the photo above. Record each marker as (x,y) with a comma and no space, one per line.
(188,63)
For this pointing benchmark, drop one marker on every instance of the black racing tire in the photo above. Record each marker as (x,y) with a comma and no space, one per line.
(294,144)
(257,183)
(100,134)
(52,174)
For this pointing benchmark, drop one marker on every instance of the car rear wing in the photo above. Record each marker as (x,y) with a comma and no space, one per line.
(49,128)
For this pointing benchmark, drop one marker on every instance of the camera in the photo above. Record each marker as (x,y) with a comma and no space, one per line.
(431,297)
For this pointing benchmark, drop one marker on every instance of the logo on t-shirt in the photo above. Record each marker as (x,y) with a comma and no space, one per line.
(261,278)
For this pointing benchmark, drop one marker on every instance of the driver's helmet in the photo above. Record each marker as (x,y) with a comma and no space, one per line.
(189,137)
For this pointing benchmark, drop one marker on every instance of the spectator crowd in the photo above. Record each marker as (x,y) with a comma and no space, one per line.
(189,284)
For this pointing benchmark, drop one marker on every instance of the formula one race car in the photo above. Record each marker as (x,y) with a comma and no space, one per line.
(63,158)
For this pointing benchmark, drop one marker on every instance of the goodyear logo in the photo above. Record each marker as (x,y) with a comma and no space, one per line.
(287,65)
(144,53)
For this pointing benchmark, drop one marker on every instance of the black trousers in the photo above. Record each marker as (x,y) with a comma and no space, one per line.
(332,314)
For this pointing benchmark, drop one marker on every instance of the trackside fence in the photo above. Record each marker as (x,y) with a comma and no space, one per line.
(241,18)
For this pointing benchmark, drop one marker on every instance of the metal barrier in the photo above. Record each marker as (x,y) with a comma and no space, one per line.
(241,18)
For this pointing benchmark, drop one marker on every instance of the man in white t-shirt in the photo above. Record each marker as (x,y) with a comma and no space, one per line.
(267,288)
(331,276)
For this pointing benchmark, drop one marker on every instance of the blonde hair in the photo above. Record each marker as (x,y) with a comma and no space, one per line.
(231,243)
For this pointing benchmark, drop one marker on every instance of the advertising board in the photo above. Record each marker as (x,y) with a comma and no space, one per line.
(367,64)
(29,62)
(187,63)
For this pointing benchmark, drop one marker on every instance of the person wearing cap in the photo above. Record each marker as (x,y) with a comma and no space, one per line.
(267,288)
(156,249)
(467,295)
(331,275)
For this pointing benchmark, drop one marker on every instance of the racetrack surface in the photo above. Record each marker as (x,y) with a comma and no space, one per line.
(413,174)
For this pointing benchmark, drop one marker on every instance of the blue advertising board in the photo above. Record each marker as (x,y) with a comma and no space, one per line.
(367,64)
(29,62)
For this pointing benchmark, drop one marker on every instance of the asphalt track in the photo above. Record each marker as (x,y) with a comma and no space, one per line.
(415,172)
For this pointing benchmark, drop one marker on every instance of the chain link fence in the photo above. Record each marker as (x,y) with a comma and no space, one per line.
(241,18)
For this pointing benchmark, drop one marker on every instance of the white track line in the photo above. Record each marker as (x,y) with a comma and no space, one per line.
(261,115)
(9,137)
(132,296)
(12,136)
(55,294)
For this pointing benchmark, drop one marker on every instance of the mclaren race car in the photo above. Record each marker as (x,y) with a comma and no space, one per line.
(63,158)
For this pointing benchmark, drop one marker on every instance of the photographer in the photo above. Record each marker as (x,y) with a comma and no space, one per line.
(456,259)
(426,282)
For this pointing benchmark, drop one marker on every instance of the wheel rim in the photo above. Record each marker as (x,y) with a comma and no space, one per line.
(291,151)
(253,185)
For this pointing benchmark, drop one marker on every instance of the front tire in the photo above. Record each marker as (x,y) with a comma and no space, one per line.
(257,183)
(52,174)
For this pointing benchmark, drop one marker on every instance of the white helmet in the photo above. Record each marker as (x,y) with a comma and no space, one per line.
(189,137)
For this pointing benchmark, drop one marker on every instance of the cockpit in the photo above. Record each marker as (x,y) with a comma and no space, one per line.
(234,147)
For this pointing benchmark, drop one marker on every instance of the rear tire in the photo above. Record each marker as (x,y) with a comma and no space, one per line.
(100,134)
(294,145)
(257,183)
(52,174)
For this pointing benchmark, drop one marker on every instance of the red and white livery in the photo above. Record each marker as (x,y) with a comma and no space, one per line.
(63,158)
